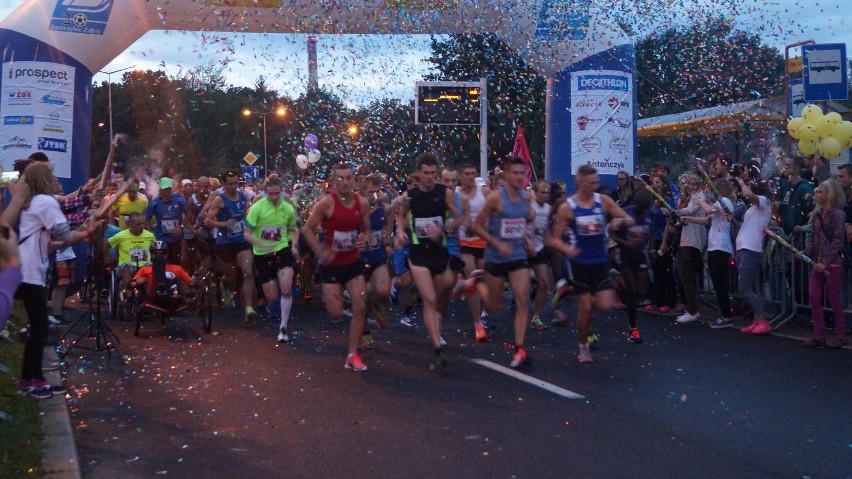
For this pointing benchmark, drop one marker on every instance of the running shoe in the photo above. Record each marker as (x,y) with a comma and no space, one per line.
(54,320)
(347,312)
(644,303)
(442,341)
(688,318)
(53,389)
(650,308)
(485,318)
(748,329)
(354,362)
(761,328)
(635,337)
(536,323)
(459,286)
(480,331)
(367,342)
(283,337)
(408,320)
(664,309)
(563,289)
(251,314)
(439,361)
(380,316)
(813,342)
(559,319)
(34,388)
(519,358)
(592,339)
(721,323)
(583,354)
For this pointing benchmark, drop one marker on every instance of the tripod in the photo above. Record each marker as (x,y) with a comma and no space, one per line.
(95,327)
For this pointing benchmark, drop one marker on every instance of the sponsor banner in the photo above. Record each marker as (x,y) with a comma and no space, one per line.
(602,121)
(36,103)
(88,17)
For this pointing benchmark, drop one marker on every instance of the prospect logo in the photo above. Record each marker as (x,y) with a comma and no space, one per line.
(18,143)
(18,120)
(602,82)
(52,144)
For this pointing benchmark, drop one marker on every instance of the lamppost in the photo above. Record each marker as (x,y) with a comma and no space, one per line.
(109,94)
(279,112)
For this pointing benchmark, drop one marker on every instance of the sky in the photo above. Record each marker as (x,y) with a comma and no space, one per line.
(362,68)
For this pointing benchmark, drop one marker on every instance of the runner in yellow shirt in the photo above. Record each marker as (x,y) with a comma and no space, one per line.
(130,202)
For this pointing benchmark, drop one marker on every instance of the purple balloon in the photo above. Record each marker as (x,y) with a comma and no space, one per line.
(311,141)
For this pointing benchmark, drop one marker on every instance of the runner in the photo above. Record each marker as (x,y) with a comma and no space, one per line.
(375,256)
(132,245)
(472,247)
(424,209)
(502,223)
(537,255)
(402,282)
(130,202)
(271,228)
(344,217)
(169,210)
(227,214)
(579,232)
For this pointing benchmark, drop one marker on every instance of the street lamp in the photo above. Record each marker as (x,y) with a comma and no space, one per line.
(109,94)
(279,112)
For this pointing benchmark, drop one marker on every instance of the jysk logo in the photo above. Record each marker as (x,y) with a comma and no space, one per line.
(18,143)
(52,144)
(18,120)
(602,82)
(53,100)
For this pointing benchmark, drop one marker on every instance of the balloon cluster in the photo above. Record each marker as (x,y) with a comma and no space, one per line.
(817,133)
(313,156)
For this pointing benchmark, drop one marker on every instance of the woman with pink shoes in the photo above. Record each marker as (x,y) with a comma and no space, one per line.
(750,251)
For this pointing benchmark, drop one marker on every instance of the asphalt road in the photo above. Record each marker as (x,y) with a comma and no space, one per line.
(688,402)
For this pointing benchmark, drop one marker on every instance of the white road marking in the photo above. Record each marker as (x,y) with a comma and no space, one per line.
(528,379)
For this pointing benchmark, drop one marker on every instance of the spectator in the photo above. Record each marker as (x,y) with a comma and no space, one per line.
(749,247)
(797,200)
(623,193)
(10,270)
(693,242)
(825,246)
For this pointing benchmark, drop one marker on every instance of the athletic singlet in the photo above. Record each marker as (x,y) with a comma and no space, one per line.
(588,232)
(375,252)
(428,210)
(538,228)
(476,203)
(510,227)
(236,210)
(341,231)
(453,246)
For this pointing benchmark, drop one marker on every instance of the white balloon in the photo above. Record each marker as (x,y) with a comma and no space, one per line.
(302,161)
(314,156)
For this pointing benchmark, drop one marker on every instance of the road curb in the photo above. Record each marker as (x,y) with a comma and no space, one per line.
(59,456)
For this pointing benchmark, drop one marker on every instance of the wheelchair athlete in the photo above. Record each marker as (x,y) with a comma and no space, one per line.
(166,285)
(132,245)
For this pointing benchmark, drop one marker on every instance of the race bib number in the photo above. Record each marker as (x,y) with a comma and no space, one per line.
(235,229)
(343,240)
(170,225)
(428,227)
(512,228)
(375,241)
(139,255)
(590,225)
(270,233)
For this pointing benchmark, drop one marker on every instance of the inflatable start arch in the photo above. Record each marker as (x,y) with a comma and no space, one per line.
(52,48)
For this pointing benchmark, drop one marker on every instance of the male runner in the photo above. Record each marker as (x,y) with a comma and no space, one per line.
(169,209)
(502,223)
(271,228)
(344,217)
(227,214)
(425,209)
(130,202)
(579,232)
(537,254)
(132,245)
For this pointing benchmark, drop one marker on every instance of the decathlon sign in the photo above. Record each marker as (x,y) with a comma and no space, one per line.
(603,82)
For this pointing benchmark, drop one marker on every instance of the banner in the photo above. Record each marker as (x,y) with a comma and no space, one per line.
(37,106)
(521,151)
(602,121)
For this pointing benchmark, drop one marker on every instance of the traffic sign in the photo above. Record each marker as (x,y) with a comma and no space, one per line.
(251,173)
(825,72)
(795,65)
(796,97)
(250,158)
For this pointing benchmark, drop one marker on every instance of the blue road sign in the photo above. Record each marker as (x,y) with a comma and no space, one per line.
(825,76)
(251,173)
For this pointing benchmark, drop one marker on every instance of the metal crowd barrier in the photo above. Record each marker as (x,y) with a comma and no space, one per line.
(784,282)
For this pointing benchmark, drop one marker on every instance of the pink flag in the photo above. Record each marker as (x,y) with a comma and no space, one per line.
(521,151)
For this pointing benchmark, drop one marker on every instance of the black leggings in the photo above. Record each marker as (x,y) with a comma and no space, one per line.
(665,289)
(35,303)
(717,264)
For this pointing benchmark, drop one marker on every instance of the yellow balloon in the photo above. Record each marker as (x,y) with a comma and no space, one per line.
(808,132)
(824,126)
(807,147)
(834,117)
(811,112)
(793,126)
(843,132)
(829,148)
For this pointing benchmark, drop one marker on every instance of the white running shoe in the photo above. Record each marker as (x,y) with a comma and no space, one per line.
(688,318)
